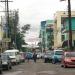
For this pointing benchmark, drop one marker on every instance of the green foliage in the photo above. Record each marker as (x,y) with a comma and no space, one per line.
(15,34)
(25,28)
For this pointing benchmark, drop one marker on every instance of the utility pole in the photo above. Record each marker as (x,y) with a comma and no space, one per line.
(70,25)
(7,20)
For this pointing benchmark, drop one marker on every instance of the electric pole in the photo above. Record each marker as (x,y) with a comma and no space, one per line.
(7,20)
(70,25)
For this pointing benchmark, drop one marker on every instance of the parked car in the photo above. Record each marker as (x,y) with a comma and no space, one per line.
(6,62)
(14,55)
(48,56)
(0,65)
(29,55)
(68,59)
(57,56)
(39,55)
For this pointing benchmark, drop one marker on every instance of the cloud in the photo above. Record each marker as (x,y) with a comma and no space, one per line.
(34,11)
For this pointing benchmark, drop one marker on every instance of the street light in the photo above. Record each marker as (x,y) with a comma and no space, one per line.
(70,24)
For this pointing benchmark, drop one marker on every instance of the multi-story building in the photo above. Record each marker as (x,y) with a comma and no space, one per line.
(46,34)
(61,28)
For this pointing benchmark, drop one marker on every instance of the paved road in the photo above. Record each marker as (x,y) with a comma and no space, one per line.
(39,68)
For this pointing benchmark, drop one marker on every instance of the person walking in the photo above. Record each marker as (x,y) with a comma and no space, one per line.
(34,57)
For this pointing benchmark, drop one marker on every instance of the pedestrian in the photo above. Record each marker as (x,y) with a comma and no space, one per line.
(28,58)
(34,57)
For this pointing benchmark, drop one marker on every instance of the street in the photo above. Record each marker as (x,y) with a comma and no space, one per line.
(39,68)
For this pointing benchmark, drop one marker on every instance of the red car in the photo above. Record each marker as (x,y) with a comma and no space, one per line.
(68,59)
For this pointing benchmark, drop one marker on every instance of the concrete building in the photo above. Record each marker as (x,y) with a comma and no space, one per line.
(46,34)
(1,35)
(61,28)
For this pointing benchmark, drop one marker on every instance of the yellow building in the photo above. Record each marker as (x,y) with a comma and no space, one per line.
(1,35)
(59,18)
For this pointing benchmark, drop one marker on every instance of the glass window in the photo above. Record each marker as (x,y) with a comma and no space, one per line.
(10,53)
(72,54)
(59,53)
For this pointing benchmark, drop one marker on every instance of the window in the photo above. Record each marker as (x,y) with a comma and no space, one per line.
(63,37)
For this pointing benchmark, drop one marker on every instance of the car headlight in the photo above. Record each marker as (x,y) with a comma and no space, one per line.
(4,63)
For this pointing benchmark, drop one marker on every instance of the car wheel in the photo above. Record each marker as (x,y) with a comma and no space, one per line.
(7,68)
(45,60)
(53,62)
(0,71)
(10,67)
(65,66)
(62,65)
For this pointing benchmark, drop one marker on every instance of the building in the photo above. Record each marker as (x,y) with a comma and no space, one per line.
(46,34)
(61,29)
(1,35)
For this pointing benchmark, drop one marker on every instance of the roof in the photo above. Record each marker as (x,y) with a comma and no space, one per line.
(12,50)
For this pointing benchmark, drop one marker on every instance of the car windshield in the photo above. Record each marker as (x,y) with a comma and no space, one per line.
(4,57)
(10,53)
(59,53)
(72,54)
(29,53)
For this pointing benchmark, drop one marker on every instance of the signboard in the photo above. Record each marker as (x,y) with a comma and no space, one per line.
(7,40)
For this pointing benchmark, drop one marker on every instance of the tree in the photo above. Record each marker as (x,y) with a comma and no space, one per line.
(17,36)
(13,26)
(19,40)
(25,28)
(22,41)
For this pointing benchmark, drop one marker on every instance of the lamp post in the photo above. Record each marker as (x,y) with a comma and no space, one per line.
(70,24)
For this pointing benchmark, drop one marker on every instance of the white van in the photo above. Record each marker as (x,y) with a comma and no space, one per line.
(14,55)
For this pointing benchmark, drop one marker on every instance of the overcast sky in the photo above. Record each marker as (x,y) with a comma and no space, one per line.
(34,11)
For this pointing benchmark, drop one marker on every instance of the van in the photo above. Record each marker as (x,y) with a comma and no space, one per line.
(14,55)
(57,56)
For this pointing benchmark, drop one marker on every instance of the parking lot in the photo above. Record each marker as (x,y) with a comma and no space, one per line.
(39,68)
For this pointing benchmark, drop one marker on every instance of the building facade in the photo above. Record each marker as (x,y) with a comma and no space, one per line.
(46,34)
(61,28)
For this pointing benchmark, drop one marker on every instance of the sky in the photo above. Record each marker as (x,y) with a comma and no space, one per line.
(34,11)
